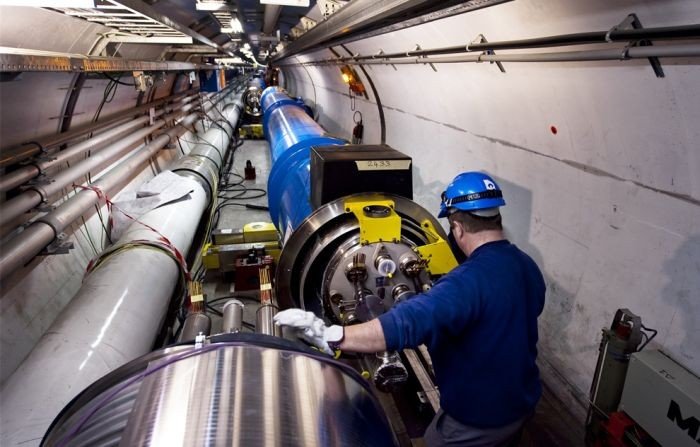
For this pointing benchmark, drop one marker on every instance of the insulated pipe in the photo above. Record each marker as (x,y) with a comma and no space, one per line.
(24,151)
(115,316)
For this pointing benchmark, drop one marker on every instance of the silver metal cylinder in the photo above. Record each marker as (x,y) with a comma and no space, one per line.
(264,320)
(226,394)
(233,317)
(196,323)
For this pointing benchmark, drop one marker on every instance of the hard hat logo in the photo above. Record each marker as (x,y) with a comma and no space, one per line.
(472,192)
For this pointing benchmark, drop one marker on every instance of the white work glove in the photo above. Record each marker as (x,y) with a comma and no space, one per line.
(312,329)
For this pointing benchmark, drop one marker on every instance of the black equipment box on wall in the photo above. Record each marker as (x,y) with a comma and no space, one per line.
(338,171)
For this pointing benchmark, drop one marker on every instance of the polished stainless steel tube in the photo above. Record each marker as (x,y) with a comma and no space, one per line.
(196,323)
(227,394)
(264,322)
(233,317)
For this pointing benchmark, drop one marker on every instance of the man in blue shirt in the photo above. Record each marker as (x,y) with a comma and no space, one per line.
(479,323)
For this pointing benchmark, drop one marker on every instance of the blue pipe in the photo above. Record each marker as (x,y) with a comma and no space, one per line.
(291,133)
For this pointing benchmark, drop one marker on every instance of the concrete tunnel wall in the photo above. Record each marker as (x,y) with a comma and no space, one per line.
(599,162)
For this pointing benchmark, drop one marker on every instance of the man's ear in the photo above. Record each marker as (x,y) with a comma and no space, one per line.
(458,230)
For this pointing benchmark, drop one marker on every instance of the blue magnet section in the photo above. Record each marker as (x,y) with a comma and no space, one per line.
(291,133)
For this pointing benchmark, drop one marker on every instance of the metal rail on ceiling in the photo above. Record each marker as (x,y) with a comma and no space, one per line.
(20,60)
(361,19)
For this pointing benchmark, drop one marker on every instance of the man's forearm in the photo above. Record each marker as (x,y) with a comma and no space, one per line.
(365,337)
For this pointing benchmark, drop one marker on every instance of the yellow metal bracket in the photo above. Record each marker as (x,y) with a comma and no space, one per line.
(437,254)
(375,229)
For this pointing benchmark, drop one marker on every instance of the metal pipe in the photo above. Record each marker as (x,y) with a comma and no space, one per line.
(29,243)
(613,35)
(621,54)
(114,317)
(272,14)
(264,320)
(195,324)
(27,150)
(665,33)
(233,316)
(37,194)
(24,174)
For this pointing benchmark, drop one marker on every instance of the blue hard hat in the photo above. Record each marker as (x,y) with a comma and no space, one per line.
(474,192)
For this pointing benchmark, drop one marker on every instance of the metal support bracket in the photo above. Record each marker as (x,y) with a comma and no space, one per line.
(481,39)
(60,246)
(633,22)
(40,180)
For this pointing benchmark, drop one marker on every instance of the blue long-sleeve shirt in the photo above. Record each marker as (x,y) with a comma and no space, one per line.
(479,323)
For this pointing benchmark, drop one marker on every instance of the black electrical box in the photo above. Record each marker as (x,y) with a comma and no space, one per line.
(338,171)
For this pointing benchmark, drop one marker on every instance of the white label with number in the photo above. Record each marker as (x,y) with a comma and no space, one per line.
(382,165)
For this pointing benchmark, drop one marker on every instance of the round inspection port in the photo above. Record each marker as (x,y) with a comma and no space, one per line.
(376,211)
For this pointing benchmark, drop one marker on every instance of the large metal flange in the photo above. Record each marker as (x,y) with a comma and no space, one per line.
(323,232)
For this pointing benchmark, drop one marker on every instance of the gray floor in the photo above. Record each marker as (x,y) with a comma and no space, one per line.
(552,424)
(258,152)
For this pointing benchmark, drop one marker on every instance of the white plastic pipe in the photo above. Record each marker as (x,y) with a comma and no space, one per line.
(113,319)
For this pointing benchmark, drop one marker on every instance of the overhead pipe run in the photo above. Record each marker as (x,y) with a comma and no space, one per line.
(38,194)
(28,172)
(114,318)
(620,54)
(29,149)
(272,15)
(467,52)
(34,238)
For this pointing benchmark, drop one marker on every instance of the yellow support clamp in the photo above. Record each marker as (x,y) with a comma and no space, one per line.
(378,220)
(210,257)
(437,254)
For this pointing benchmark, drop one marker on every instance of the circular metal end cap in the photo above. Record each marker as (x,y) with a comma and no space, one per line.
(377,211)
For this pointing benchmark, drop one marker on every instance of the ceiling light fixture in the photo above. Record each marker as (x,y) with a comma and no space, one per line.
(214,5)
(50,3)
(299,3)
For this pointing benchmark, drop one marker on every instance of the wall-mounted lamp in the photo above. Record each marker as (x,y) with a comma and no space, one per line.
(350,78)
